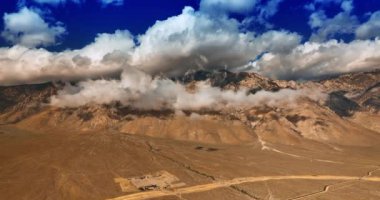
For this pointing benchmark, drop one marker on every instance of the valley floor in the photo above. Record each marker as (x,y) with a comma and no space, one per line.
(73,165)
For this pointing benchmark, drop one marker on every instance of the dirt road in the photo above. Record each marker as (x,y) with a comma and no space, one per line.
(236,181)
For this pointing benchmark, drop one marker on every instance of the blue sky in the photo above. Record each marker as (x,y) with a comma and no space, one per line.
(49,40)
(84,20)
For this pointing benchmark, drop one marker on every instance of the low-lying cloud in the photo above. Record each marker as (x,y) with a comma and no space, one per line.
(139,90)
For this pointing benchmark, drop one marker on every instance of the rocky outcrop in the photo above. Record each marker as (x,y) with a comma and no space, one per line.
(20,102)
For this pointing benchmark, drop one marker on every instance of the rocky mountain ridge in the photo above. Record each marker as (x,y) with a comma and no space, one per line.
(347,116)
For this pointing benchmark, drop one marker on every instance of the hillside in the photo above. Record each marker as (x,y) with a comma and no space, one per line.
(292,140)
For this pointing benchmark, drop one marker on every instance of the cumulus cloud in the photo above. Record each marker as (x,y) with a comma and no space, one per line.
(277,41)
(194,40)
(262,10)
(191,40)
(139,90)
(325,28)
(29,29)
(369,29)
(314,59)
(104,57)
(105,43)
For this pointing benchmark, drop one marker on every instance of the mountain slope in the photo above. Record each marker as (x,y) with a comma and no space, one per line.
(347,115)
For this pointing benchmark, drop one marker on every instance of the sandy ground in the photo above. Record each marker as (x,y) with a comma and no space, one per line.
(74,165)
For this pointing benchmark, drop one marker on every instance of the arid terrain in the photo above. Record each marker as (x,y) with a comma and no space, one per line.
(322,143)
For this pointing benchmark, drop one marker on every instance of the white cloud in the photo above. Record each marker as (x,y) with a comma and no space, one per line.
(194,40)
(347,6)
(268,10)
(28,28)
(104,57)
(191,40)
(106,43)
(314,60)
(371,28)
(276,41)
(325,28)
(328,28)
(139,90)
(317,19)
(226,6)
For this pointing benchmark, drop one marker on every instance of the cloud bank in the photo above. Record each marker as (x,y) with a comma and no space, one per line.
(102,58)
(191,40)
(314,59)
(194,39)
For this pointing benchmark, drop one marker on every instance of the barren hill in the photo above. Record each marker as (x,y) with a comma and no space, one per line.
(258,139)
